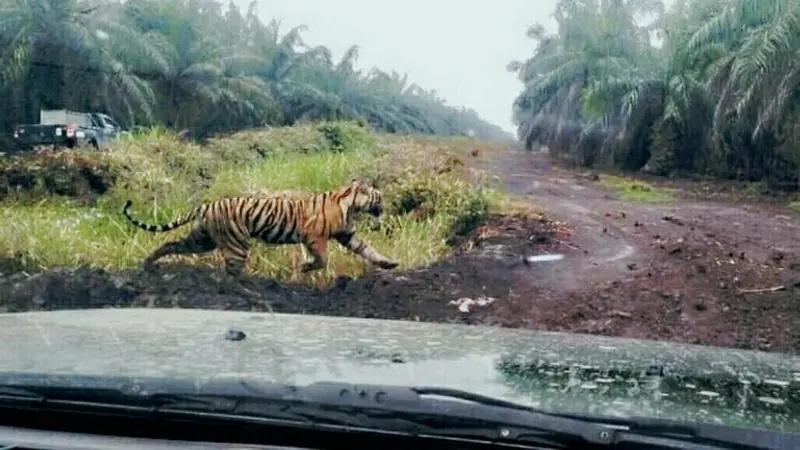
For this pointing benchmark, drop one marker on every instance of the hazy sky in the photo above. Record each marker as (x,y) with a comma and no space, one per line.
(459,48)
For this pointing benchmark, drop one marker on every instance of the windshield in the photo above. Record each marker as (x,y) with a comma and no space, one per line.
(504,169)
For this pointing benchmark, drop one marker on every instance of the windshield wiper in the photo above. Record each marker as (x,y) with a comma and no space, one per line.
(410,411)
(330,406)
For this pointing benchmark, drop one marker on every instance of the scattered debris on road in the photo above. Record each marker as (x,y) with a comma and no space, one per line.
(464,304)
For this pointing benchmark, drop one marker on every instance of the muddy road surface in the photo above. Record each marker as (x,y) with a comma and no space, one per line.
(692,271)
(688,270)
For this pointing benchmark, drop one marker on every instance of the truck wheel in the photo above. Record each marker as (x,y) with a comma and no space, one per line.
(94,145)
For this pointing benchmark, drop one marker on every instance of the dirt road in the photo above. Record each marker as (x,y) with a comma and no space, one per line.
(598,249)
(679,271)
(673,271)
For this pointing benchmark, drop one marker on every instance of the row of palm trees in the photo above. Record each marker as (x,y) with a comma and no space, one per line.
(704,86)
(198,65)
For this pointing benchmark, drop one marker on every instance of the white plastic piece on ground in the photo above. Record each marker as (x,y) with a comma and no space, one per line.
(544,258)
(464,303)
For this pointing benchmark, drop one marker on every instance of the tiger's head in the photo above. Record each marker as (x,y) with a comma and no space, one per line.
(365,198)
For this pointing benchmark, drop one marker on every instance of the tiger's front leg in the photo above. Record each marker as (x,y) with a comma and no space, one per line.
(361,248)
(316,247)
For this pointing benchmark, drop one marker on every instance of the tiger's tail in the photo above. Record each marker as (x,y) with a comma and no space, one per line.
(182,220)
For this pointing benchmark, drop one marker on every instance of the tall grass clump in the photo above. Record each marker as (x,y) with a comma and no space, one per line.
(636,191)
(428,195)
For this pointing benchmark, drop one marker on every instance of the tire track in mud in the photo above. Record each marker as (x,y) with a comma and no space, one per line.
(611,247)
(599,250)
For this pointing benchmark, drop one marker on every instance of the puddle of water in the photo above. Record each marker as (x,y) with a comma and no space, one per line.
(545,258)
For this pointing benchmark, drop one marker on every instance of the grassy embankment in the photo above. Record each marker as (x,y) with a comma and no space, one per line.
(63,209)
(632,190)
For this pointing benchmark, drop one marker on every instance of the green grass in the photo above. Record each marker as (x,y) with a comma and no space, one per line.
(165,177)
(636,191)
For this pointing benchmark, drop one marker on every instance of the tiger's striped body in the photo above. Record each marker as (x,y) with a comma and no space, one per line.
(230,223)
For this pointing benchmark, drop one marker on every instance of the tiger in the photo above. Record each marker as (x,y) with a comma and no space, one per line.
(311,220)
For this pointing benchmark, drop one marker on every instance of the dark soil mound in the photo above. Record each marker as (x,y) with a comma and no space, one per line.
(66,173)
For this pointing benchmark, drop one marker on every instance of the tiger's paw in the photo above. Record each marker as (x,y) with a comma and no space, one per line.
(387,264)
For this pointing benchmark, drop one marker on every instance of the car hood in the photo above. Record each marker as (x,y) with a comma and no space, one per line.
(553,371)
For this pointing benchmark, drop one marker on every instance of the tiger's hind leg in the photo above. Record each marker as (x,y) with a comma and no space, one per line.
(235,260)
(361,248)
(316,248)
(197,242)
(235,252)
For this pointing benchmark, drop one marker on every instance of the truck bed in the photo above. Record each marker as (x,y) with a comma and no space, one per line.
(28,137)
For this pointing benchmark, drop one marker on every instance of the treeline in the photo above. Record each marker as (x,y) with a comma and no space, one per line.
(719,96)
(198,65)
